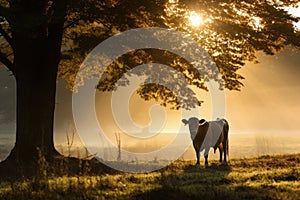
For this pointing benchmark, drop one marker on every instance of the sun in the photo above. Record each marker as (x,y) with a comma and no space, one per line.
(295,12)
(195,19)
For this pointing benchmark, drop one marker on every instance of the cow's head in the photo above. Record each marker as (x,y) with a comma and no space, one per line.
(193,123)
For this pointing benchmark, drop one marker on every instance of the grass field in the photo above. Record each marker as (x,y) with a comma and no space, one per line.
(265,177)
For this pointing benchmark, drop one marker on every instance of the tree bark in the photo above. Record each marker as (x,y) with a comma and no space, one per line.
(37,46)
(36,88)
(35,114)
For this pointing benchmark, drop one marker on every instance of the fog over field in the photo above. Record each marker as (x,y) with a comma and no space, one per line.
(241,145)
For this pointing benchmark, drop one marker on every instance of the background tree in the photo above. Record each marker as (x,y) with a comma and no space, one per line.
(38,35)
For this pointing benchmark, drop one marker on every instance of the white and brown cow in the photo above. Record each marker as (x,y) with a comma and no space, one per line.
(207,134)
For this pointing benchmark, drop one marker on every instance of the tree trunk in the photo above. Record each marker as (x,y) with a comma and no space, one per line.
(35,115)
(36,88)
(36,48)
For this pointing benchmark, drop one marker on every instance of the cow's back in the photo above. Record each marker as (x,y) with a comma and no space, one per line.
(217,135)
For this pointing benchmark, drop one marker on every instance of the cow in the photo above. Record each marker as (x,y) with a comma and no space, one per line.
(207,134)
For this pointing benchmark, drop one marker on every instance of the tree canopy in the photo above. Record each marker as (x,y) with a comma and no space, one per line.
(231,31)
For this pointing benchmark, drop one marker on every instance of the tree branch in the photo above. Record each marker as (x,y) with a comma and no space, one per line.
(7,62)
(71,23)
(6,36)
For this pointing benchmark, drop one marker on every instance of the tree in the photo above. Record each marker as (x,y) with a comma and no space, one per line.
(38,35)
(35,40)
(33,33)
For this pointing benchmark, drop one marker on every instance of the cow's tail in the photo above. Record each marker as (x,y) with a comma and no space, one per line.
(227,148)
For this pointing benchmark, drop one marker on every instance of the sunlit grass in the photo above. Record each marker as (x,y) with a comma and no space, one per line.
(266,177)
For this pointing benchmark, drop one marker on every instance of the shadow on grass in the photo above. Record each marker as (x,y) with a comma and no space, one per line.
(255,178)
(221,181)
(192,182)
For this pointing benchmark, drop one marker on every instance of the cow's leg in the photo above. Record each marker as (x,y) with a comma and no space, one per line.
(225,151)
(198,156)
(206,151)
(221,152)
(206,160)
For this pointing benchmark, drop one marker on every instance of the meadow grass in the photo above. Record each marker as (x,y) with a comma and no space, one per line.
(265,177)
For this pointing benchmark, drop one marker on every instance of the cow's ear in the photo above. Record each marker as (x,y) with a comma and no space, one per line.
(201,121)
(185,121)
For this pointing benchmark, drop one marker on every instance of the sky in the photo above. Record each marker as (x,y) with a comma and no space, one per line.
(270,99)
